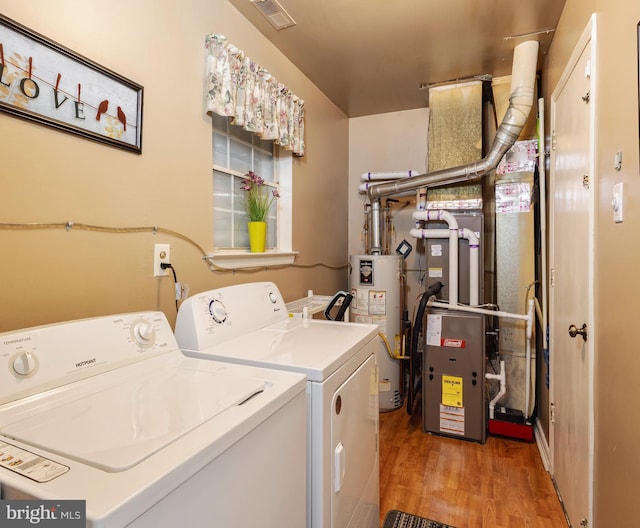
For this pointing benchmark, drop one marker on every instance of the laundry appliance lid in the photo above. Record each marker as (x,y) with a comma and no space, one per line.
(312,347)
(115,420)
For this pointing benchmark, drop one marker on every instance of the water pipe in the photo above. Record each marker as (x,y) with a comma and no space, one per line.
(529,335)
(502,377)
(543,220)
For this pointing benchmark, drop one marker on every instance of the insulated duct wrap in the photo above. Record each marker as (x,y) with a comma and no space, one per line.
(455,125)
(455,138)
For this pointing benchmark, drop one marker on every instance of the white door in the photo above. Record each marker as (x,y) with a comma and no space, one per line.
(572,185)
(354,439)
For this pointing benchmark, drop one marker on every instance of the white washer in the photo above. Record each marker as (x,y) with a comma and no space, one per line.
(249,324)
(108,410)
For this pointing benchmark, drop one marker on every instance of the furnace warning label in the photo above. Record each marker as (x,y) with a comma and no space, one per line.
(452,391)
(452,420)
(434,329)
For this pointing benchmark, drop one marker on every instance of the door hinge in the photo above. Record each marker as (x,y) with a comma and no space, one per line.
(584,523)
(552,277)
(585,181)
(553,140)
(552,412)
(586,97)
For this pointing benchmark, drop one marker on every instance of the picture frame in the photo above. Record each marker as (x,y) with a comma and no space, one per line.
(47,83)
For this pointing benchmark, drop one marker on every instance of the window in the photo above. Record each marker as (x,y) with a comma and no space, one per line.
(236,152)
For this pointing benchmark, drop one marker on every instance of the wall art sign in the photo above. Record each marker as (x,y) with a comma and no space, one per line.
(47,83)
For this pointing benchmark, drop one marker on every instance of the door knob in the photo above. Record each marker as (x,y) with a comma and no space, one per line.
(574,331)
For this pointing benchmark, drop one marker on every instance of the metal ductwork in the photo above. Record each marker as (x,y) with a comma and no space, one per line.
(525,60)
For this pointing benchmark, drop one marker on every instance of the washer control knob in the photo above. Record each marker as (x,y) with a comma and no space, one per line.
(273,298)
(143,332)
(24,363)
(218,311)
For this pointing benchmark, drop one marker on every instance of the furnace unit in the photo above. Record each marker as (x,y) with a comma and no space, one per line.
(453,373)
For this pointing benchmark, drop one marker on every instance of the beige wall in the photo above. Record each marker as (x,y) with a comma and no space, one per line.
(49,176)
(617,362)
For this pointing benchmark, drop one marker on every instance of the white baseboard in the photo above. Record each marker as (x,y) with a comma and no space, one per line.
(543,446)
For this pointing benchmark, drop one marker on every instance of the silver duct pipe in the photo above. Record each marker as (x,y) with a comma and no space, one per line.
(523,74)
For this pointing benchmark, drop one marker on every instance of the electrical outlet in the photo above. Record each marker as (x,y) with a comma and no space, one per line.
(161,255)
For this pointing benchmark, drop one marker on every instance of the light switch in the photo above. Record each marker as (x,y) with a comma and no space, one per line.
(617,202)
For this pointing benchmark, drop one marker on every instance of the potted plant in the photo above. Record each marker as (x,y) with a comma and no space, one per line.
(257,203)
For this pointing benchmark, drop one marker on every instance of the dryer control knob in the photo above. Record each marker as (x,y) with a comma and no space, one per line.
(218,311)
(143,332)
(273,297)
(24,364)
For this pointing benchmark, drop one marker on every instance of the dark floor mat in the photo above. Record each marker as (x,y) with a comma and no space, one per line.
(398,519)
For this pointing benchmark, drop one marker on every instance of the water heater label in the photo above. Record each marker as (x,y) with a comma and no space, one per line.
(377,302)
(366,271)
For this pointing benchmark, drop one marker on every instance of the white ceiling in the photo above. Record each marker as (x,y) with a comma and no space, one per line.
(376,56)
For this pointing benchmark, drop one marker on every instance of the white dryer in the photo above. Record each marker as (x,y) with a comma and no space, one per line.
(249,324)
(109,411)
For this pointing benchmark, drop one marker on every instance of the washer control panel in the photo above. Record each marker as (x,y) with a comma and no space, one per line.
(44,357)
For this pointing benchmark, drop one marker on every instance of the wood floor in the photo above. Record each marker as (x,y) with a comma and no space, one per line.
(499,484)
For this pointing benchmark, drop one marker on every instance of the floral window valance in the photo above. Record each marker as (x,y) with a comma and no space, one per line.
(240,88)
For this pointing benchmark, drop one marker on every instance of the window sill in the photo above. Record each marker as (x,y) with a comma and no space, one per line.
(231,260)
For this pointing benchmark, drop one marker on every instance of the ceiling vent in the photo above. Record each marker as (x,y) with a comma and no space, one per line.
(274,13)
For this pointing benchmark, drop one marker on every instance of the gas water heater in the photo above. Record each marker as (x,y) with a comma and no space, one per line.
(375,283)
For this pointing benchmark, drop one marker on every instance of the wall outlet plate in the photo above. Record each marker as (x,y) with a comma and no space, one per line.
(161,255)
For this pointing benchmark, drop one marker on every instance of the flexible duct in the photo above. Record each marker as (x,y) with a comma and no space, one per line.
(525,59)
